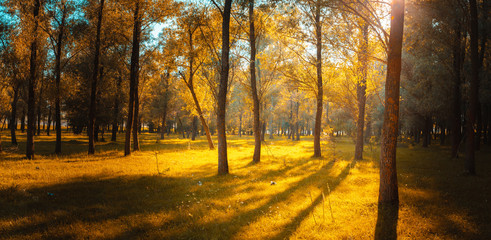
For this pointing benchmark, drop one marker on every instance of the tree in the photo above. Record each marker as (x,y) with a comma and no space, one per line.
(191,23)
(361,91)
(223,88)
(95,74)
(134,70)
(320,89)
(255,99)
(32,82)
(474,91)
(388,191)
(58,53)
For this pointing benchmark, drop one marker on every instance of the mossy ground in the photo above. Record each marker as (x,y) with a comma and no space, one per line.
(109,196)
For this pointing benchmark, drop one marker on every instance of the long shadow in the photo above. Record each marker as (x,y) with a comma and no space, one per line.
(89,200)
(455,196)
(254,214)
(291,227)
(386,228)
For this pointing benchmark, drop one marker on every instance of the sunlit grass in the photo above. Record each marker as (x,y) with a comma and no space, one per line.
(170,190)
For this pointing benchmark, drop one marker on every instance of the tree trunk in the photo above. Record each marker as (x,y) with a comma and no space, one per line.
(426,132)
(23,120)
(442,135)
(134,69)
(222,90)
(164,127)
(256,158)
(190,84)
(32,84)
(320,90)
(194,128)
(456,104)
(49,121)
(240,125)
(478,127)
(59,48)
(361,93)
(474,92)
(93,92)
(368,131)
(116,110)
(137,118)
(388,191)
(40,99)
(13,115)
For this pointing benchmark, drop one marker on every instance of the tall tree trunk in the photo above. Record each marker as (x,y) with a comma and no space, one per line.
(93,91)
(361,93)
(320,90)
(137,118)
(222,90)
(23,120)
(134,69)
(240,125)
(368,131)
(256,158)
(49,121)
(474,92)
(194,128)
(456,102)
(297,120)
(388,191)
(31,102)
(13,115)
(442,134)
(116,110)
(59,48)
(190,84)
(478,127)
(484,38)
(40,99)
(426,132)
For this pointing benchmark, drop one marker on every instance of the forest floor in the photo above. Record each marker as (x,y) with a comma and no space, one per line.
(170,190)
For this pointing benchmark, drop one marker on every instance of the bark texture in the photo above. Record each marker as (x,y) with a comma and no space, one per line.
(388,191)
(222,90)
(134,69)
(320,90)
(256,158)
(32,84)
(361,93)
(470,167)
(93,89)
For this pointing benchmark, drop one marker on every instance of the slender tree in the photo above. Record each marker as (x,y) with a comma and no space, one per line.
(31,100)
(134,70)
(255,99)
(13,115)
(456,112)
(320,89)
(93,91)
(58,53)
(192,24)
(222,90)
(388,191)
(116,109)
(474,91)
(361,92)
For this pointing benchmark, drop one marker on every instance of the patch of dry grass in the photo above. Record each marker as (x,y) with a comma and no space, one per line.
(108,196)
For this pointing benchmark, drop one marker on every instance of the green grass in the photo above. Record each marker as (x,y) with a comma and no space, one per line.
(108,196)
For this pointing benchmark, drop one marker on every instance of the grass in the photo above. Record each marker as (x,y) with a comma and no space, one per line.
(108,196)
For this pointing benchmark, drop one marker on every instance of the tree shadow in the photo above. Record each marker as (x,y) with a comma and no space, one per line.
(90,200)
(255,214)
(291,227)
(386,228)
